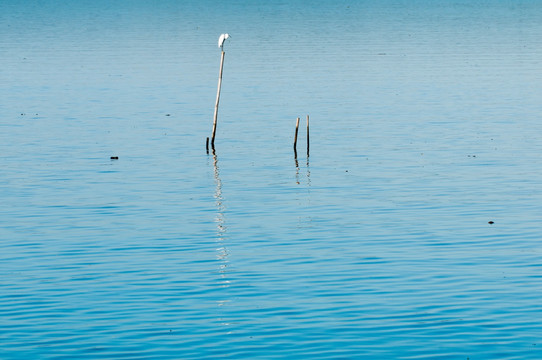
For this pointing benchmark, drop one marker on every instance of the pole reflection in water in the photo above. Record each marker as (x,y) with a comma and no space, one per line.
(222,251)
(308,172)
(303,196)
(297,180)
(296,167)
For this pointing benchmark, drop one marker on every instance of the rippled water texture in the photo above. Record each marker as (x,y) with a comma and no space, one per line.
(425,127)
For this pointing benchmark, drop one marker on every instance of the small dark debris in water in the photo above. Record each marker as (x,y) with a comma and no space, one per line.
(114,157)
(22,114)
(471,155)
(168,114)
(490,222)
(346,170)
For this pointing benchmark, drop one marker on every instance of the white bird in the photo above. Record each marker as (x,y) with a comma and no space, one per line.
(221,40)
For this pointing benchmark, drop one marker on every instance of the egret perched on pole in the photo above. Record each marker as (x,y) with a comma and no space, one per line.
(221,40)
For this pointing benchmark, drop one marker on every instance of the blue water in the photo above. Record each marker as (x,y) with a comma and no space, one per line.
(425,126)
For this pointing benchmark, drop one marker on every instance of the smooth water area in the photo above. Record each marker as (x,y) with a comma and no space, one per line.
(424,127)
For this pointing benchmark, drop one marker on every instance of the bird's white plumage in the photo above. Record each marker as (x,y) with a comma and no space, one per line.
(221,39)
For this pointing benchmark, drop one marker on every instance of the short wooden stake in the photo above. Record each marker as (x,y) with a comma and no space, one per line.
(217,99)
(295,137)
(308,135)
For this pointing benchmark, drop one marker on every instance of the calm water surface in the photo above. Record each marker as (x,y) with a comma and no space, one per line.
(425,126)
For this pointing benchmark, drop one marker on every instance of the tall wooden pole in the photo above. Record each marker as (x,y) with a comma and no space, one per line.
(217,99)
